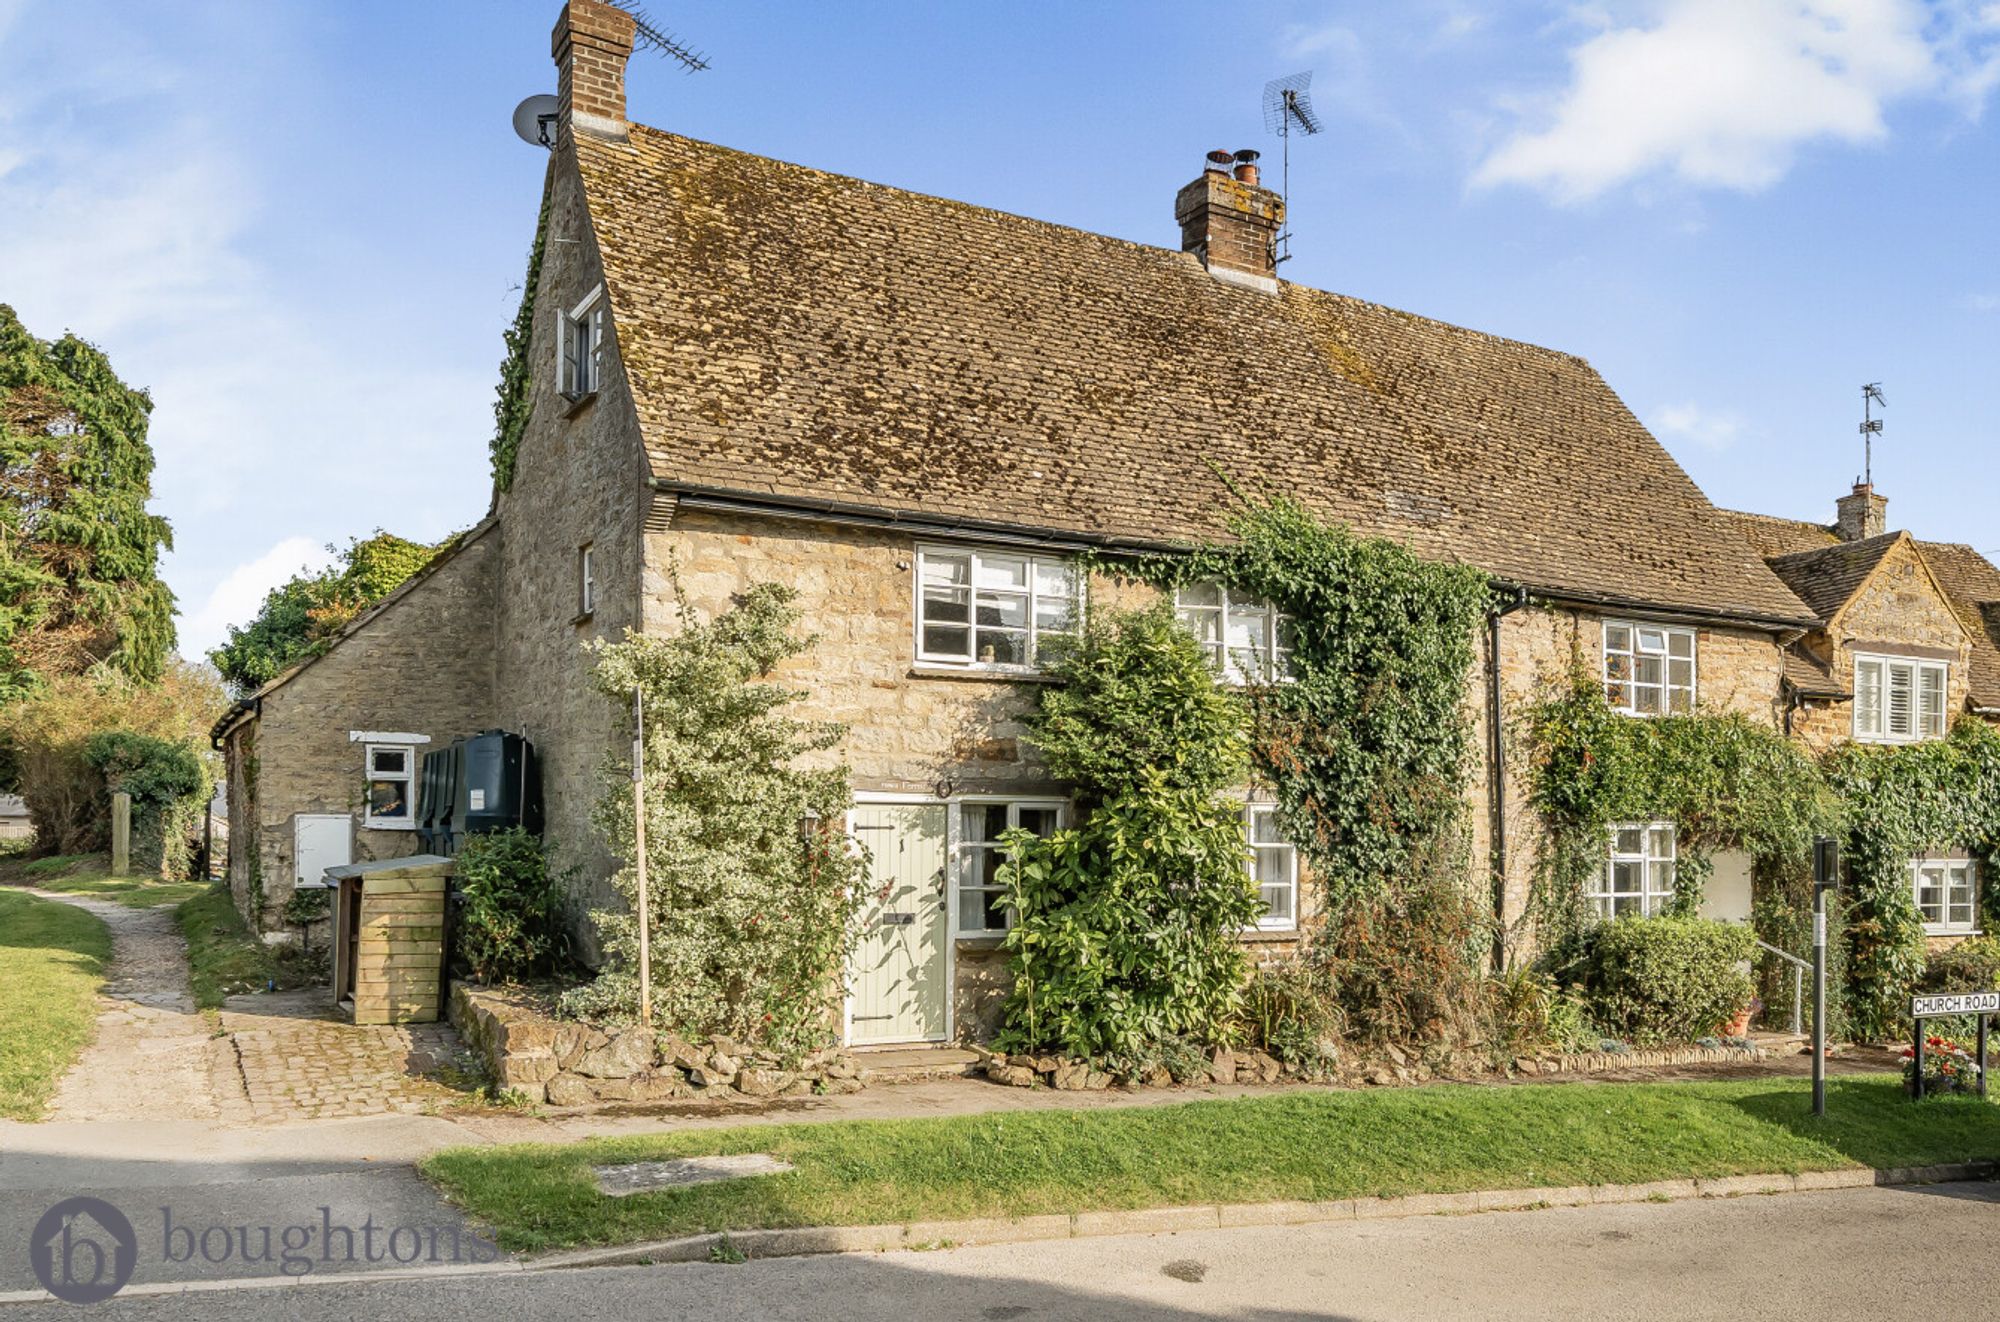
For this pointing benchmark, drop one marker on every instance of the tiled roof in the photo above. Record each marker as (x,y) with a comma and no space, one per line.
(799,336)
(1806,673)
(1770,536)
(1827,577)
(1973,584)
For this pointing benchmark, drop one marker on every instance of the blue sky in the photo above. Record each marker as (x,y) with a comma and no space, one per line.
(303,226)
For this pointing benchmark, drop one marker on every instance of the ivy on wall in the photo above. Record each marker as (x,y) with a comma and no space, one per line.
(1367,742)
(1724,781)
(1904,802)
(515,393)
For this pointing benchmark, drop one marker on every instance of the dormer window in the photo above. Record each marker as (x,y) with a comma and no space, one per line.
(582,349)
(1648,668)
(1898,700)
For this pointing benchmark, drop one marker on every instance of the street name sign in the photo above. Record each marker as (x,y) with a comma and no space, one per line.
(1930,1007)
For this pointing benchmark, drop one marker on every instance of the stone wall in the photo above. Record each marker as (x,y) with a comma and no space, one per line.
(579,478)
(421,665)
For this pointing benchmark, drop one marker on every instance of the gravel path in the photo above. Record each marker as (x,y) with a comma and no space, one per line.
(153,1057)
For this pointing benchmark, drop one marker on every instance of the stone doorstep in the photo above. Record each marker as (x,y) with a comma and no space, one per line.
(803,1240)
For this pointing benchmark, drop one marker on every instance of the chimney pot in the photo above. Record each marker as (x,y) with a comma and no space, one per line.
(1862,514)
(591,43)
(1232,222)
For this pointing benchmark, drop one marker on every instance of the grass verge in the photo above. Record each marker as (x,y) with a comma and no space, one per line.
(1306,1145)
(90,874)
(52,959)
(224,955)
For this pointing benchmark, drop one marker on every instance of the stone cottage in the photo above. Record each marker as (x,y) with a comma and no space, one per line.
(918,413)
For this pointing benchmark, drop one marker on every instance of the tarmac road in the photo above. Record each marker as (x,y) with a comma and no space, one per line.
(1861,1253)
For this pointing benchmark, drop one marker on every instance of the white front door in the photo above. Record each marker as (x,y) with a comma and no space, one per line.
(320,841)
(899,978)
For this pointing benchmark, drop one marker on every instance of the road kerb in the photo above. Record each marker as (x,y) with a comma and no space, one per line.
(793,1242)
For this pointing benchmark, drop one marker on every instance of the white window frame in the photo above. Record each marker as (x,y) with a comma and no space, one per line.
(586,579)
(1272,649)
(1032,597)
(1285,849)
(1952,875)
(408,821)
(580,372)
(962,851)
(1874,717)
(1635,651)
(1656,891)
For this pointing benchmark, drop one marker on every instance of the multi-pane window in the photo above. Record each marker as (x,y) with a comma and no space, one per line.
(1648,668)
(1001,609)
(982,908)
(390,804)
(582,347)
(1274,866)
(1947,891)
(1248,640)
(1898,701)
(1638,876)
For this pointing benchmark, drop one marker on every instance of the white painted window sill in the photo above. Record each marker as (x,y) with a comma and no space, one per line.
(373,825)
(1936,929)
(989,674)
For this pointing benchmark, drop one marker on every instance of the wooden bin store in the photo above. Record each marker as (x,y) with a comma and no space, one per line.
(389,933)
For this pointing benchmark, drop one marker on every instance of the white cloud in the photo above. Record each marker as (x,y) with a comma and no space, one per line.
(1711,430)
(236,598)
(1980,302)
(1722,93)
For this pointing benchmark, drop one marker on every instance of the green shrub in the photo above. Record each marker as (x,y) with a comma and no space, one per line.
(1289,1011)
(1659,980)
(513,919)
(169,786)
(1972,965)
(1528,1011)
(1126,926)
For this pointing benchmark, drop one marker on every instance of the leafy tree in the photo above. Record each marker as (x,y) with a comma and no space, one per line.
(1125,933)
(750,924)
(302,617)
(79,553)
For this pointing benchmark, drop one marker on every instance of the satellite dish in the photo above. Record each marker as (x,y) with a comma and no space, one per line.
(532,119)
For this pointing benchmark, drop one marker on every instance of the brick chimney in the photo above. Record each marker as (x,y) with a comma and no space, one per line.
(1232,223)
(1863,514)
(591,43)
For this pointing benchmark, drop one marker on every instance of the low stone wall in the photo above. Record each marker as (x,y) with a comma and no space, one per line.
(566,1063)
(1394,1067)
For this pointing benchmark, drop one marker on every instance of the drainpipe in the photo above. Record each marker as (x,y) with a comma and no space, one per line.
(1496,761)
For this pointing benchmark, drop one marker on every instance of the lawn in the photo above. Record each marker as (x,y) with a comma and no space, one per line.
(52,959)
(1303,1145)
(90,874)
(224,956)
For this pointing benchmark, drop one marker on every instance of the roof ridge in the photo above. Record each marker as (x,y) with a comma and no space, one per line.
(1154,248)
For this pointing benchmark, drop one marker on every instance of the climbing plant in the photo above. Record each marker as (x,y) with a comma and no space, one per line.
(1725,782)
(1366,740)
(514,394)
(1904,802)
(1125,931)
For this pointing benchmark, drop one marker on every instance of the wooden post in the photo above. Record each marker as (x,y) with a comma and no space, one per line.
(121,833)
(639,855)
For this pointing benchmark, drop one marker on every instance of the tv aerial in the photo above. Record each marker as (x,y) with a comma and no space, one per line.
(1288,109)
(1871,427)
(648,36)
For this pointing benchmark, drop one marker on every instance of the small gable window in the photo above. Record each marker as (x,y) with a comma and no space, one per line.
(582,348)
(390,805)
(1248,640)
(1946,891)
(1648,668)
(994,610)
(1899,701)
(1638,876)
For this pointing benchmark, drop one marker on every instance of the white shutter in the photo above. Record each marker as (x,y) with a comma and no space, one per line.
(1867,698)
(1901,699)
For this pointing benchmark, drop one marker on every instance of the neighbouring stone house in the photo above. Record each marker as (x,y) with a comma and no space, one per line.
(918,413)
